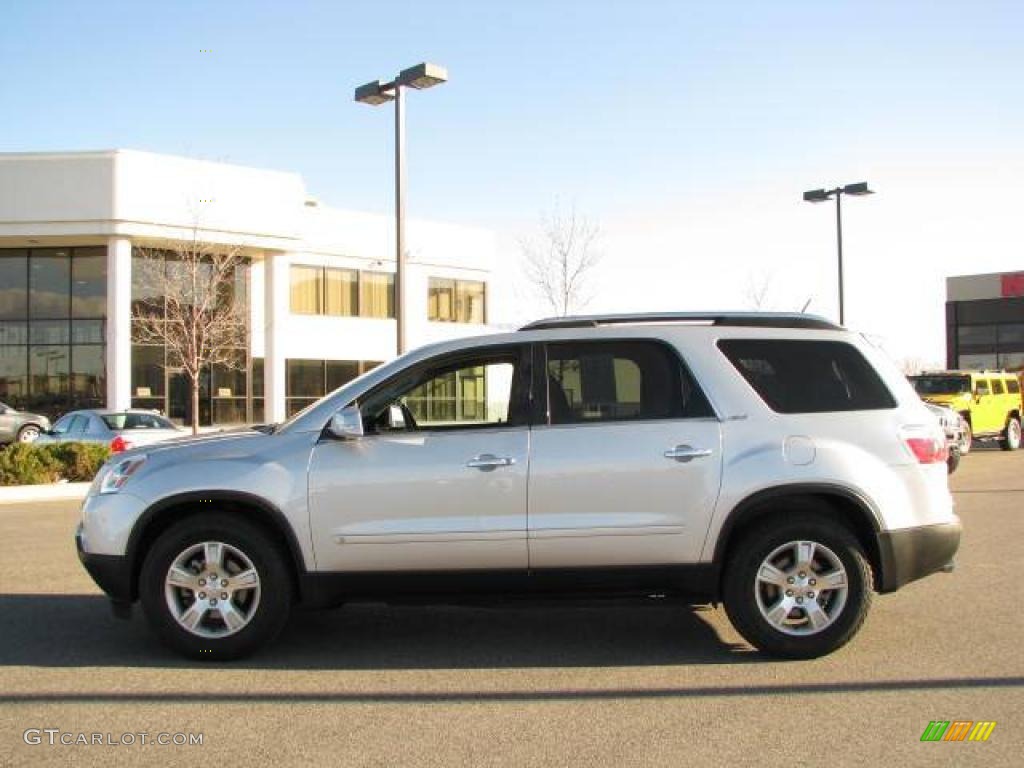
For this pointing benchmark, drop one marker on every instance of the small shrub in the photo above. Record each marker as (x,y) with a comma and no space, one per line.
(29,464)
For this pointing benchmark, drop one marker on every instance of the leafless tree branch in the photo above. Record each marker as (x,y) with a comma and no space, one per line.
(559,265)
(192,309)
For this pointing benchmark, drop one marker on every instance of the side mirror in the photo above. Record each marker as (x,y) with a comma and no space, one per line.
(396,419)
(347,424)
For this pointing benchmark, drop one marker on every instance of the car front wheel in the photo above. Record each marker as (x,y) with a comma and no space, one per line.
(215,587)
(798,587)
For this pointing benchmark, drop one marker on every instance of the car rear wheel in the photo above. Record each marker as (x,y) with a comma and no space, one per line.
(215,587)
(28,433)
(1011,435)
(798,586)
(967,438)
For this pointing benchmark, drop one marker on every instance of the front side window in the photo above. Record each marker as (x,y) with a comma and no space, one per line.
(619,381)
(803,376)
(466,393)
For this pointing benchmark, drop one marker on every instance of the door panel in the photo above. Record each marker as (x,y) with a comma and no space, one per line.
(605,494)
(410,502)
(626,469)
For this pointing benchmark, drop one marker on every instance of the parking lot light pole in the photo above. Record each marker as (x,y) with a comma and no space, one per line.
(820,196)
(375,93)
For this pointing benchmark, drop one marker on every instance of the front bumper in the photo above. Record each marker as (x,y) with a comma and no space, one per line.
(110,572)
(909,554)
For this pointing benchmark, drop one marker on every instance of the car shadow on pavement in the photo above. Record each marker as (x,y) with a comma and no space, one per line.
(80,631)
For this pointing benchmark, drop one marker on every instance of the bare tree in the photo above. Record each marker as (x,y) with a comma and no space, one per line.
(558,265)
(193,308)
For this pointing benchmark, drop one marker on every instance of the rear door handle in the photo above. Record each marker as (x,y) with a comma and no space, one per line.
(685,453)
(488,461)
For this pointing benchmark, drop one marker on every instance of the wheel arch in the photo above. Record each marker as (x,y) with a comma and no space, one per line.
(161,515)
(846,504)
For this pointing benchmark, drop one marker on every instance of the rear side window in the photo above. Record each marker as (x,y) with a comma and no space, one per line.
(1012,386)
(796,376)
(619,381)
(982,387)
(123,421)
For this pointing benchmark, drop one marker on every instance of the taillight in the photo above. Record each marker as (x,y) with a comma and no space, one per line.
(119,444)
(927,445)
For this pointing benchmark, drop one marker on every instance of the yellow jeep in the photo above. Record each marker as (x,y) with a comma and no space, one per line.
(989,401)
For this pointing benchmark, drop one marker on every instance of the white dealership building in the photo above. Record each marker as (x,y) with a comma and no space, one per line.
(319,284)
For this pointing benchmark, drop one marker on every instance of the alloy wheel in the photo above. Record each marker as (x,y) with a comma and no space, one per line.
(212,589)
(801,588)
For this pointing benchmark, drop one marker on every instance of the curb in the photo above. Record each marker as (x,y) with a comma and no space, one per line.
(12,494)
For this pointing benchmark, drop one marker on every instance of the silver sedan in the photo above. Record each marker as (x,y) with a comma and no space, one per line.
(120,430)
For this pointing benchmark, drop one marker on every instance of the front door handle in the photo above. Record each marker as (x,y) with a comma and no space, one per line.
(488,461)
(685,453)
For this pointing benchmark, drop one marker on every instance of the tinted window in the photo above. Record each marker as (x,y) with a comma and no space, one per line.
(619,381)
(941,385)
(78,424)
(982,388)
(1012,386)
(794,376)
(997,387)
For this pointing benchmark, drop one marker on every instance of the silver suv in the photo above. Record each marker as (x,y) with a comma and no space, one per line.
(778,464)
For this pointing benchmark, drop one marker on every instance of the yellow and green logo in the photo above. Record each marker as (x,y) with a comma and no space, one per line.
(958,730)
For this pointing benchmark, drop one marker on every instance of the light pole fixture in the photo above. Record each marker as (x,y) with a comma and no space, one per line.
(820,196)
(375,93)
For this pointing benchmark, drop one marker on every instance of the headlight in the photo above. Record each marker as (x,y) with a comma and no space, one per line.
(117,474)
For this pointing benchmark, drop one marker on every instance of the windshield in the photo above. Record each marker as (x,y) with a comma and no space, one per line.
(121,421)
(941,385)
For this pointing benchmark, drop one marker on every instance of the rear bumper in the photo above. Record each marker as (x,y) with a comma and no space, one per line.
(110,572)
(909,554)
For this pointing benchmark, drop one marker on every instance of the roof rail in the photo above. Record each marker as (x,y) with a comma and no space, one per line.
(748,319)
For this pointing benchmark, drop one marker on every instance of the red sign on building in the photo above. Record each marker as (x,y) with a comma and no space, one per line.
(1013,284)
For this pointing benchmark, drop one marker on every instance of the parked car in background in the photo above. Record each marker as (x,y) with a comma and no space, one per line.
(19,426)
(121,430)
(989,401)
(955,427)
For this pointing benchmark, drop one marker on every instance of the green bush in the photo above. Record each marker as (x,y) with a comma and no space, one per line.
(29,464)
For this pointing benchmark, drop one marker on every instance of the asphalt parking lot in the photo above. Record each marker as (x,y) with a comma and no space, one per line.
(607,685)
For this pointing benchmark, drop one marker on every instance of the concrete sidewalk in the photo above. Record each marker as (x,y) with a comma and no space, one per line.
(17,494)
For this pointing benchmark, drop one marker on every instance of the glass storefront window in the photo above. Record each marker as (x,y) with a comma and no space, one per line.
(13,332)
(13,374)
(88,376)
(147,372)
(469,302)
(441,300)
(89,282)
(50,282)
(376,294)
(306,290)
(87,331)
(456,301)
(13,284)
(339,373)
(49,332)
(342,292)
(49,367)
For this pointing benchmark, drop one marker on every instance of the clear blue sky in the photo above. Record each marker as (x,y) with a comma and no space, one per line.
(620,106)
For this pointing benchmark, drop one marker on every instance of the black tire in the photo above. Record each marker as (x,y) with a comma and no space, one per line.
(264,621)
(740,588)
(1010,440)
(954,459)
